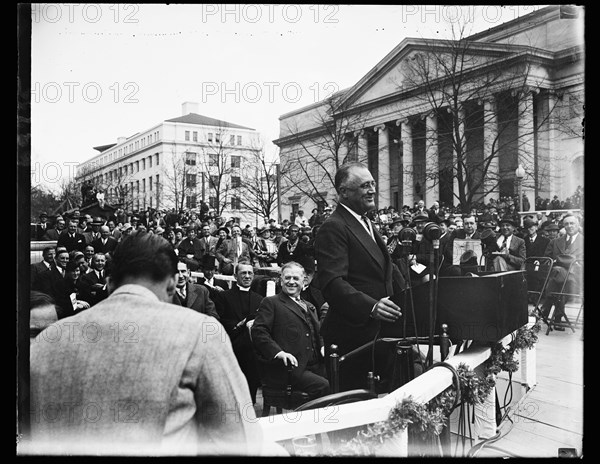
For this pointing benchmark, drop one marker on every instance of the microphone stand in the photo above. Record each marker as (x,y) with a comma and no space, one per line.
(433,290)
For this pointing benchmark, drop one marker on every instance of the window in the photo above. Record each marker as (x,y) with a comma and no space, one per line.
(137,187)
(236,203)
(157,184)
(239,139)
(150,186)
(212,202)
(190,201)
(157,159)
(190,181)
(143,164)
(121,172)
(232,140)
(195,136)
(213,160)
(235,161)
(190,159)
(213,182)
(235,182)
(143,185)
(210,136)
(150,161)
(137,166)
(217,138)
(187,136)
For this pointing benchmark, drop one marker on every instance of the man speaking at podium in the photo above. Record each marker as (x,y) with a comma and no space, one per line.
(355,274)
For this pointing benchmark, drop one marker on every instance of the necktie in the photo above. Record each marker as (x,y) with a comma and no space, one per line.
(569,241)
(368,224)
(503,246)
(301,303)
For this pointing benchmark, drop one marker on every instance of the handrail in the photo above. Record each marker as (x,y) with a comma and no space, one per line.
(422,389)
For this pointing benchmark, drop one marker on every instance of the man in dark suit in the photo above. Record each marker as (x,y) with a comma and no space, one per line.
(105,243)
(54,233)
(209,281)
(355,274)
(236,307)
(293,249)
(469,230)
(564,250)
(93,283)
(42,226)
(71,239)
(192,296)
(48,281)
(286,328)
(44,265)
(92,232)
(511,249)
(535,244)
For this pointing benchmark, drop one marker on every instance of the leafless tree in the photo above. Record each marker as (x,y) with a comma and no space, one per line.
(259,187)
(311,166)
(468,90)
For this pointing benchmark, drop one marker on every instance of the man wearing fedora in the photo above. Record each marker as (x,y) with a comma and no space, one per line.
(94,234)
(511,249)
(535,244)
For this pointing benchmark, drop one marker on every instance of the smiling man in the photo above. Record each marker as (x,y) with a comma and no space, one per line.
(355,274)
(286,328)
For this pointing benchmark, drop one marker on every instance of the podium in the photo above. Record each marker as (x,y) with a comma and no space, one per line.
(483,308)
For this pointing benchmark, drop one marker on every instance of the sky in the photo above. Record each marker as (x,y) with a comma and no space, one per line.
(103,71)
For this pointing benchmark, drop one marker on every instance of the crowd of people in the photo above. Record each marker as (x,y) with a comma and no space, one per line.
(334,274)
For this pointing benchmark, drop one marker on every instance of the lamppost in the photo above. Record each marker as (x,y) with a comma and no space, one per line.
(519,175)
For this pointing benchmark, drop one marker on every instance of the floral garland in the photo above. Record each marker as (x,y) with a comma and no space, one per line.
(427,421)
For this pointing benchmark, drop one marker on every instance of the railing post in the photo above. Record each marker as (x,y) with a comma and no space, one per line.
(444,343)
(334,365)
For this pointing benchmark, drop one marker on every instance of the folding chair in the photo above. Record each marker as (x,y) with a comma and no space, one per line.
(537,270)
(566,293)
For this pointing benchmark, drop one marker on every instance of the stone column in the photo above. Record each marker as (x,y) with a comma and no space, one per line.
(362,146)
(462,142)
(432,160)
(407,162)
(383,155)
(525,142)
(490,135)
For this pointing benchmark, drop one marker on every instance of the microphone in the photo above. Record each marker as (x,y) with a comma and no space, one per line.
(432,232)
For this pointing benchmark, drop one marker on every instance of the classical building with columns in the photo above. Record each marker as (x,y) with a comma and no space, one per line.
(451,120)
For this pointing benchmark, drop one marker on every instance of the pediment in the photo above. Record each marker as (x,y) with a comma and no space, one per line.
(403,68)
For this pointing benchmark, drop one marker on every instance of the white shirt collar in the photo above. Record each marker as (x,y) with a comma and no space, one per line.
(242,289)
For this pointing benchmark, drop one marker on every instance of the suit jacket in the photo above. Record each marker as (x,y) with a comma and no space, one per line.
(233,305)
(109,247)
(353,273)
(228,250)
(52,234)
(36,270)
(558,246)
(537,247)
(209,245)
(461,234)
(47,280)
(41,231)
(117,234)
(197,298)
(89,287)
(279,325)
(78,242)
(516,252)
(147,374)
(89,236)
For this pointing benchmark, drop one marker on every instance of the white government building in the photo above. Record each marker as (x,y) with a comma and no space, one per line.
(179,155)
(517,100)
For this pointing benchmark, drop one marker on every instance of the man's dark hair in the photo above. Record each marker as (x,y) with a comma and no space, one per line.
(39,299)
(343,173)
(143,255)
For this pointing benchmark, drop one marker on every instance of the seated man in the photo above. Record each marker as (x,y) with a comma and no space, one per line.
(511,249)
(286,328)
(191,295)
(564,250)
